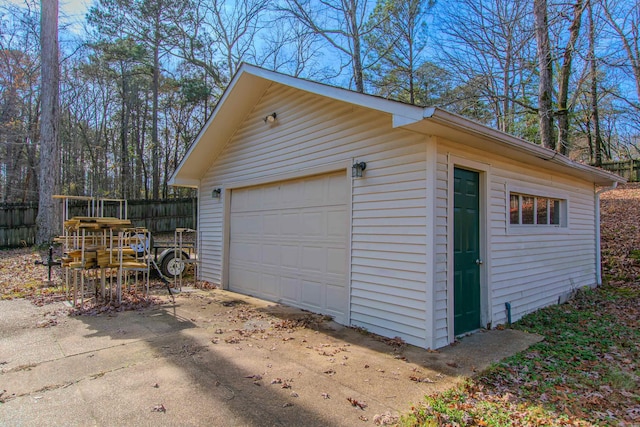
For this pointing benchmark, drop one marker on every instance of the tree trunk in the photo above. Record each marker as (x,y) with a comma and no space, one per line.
(357,48)
(545,110)
(155,149)
(48,220)
(563,84)
(595,115)
(124,130)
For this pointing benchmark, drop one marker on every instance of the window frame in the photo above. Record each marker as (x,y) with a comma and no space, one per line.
(536,194)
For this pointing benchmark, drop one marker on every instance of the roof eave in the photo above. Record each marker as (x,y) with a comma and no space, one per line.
(598,176)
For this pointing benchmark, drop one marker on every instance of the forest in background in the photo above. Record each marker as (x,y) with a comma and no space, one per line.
(139,78)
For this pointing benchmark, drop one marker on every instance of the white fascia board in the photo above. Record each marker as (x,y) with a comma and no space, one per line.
(601,177)
(190,183)
(399,121)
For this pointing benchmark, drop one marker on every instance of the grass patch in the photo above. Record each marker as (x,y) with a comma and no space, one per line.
(585,372)
(32,289)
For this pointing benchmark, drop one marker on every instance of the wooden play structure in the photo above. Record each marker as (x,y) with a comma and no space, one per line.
(103,254)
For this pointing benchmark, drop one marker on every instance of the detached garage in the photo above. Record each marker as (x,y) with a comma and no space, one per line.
(404,220)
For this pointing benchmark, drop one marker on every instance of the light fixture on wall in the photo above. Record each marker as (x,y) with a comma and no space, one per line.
(216,193)
(270,118)
(357,168)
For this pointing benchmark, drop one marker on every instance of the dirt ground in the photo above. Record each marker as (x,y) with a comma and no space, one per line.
(213,357)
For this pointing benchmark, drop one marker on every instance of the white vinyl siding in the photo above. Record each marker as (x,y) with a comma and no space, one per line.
(528,270)
(388,242)
(532,270)
(442,266)
(210,232)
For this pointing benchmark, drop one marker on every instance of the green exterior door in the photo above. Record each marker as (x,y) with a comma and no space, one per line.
(466,251)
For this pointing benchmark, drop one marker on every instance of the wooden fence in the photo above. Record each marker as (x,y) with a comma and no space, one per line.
(18,220)
(629,169)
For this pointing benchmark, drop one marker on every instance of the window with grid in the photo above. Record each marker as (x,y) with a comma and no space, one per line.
(526,209)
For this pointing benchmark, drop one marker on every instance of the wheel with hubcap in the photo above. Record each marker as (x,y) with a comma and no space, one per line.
(172,266)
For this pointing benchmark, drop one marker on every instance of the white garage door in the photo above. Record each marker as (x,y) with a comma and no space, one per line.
(288,243)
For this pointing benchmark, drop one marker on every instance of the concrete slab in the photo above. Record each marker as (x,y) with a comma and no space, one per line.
(218,358)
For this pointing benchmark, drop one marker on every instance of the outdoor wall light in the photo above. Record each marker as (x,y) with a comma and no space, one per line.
(270,118)
(357,168)
(216,193)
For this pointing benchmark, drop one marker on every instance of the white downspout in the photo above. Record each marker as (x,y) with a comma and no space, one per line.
(598,248)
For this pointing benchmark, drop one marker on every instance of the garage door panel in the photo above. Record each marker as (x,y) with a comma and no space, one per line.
(336,190)
(289,290)
(270,285)
(314,192)
(290,238)
(336,298)
(271,255)
(246,224)
(270,198)
(313,259)
(290,256)
(312,293)
(313,224)
(337,261)
(246,280)
(336,221)
(254,199)
(240,200)
(290,224)
(271,225)
(245,252)
(288,194)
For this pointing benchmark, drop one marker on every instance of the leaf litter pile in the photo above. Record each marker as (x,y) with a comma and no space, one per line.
(21,277)
(586,371)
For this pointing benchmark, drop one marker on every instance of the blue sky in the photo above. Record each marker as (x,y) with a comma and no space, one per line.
(70,10)
(75,7)
(73,11)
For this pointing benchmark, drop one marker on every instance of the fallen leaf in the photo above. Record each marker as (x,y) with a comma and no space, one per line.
(255,377)
(159,408)
(356,403)
(421,379)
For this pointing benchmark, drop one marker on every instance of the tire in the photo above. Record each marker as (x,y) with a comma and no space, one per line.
(171,266)
(142,245)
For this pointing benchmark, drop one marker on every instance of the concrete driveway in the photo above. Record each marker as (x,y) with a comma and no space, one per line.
(215,358)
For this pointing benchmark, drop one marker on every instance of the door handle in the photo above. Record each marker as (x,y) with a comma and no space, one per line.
(479,262)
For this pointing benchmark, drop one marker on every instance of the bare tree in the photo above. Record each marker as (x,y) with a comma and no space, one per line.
(342,23)
(235,25)
(488,43)
(623,18)
(19,102)
(290,47)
